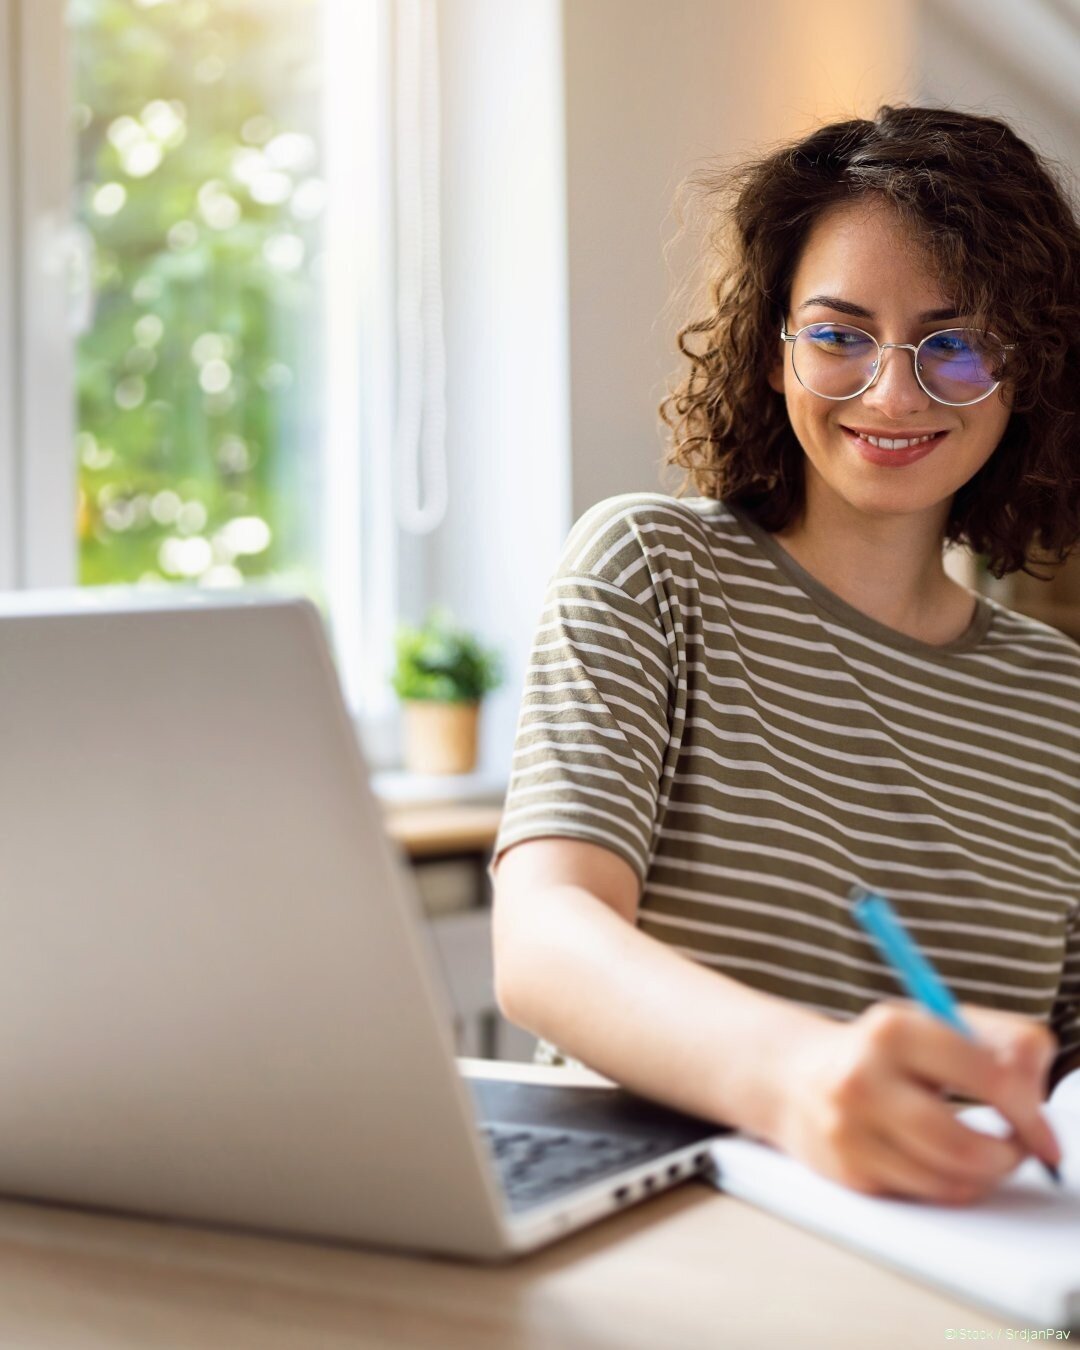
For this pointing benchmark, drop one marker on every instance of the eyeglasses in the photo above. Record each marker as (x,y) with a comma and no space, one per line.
(957,366)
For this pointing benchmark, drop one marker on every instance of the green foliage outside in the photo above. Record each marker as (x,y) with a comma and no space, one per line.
(441,663)
(198,180)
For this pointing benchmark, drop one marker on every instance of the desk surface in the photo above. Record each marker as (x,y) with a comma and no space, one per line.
(690,1268)
(455,827)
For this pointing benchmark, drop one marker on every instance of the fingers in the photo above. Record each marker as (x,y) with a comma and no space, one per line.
(1025,1052)
(866,1105)
(886,1168)
(1026,1046)
(1005,1068)
(919,1124)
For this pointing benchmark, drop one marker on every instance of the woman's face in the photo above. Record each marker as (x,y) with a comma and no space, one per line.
(862,266)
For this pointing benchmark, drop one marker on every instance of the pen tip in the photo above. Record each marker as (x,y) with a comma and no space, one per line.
(1055,1172)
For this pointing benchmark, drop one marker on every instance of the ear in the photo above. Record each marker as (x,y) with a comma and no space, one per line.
(776,375)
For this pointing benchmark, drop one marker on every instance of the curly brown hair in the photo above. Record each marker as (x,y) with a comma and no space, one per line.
(1001,237)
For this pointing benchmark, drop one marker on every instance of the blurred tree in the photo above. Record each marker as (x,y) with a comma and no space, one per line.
(199,184)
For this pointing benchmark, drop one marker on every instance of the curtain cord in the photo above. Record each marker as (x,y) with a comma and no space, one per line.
(420,423)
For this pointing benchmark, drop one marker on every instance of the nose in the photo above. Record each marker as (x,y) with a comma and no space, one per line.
(896,393)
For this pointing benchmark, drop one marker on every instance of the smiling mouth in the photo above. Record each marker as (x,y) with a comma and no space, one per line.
(897,442)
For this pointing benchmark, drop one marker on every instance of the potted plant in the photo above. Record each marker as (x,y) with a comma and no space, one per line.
(441,675)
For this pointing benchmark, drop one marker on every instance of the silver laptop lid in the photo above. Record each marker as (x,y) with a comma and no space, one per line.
(215,1000)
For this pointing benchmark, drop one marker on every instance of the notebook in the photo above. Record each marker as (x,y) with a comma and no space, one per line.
(1017,1253)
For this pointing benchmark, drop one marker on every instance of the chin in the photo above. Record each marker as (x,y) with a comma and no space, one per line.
(893,499)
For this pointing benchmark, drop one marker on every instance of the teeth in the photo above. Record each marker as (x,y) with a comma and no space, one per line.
(884,443)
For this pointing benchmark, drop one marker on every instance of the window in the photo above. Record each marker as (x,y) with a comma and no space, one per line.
(290,150)
(200,192)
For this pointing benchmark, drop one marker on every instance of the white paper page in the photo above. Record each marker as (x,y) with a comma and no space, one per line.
(1017,1252)
(1066,1096)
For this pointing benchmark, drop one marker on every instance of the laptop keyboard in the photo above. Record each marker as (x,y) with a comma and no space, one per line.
(536,1163)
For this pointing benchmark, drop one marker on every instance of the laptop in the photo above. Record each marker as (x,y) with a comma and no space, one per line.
(219,1001)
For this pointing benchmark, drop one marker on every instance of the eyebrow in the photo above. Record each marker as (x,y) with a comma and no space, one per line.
(860,312)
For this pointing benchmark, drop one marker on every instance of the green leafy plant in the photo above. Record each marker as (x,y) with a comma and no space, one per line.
(440,663)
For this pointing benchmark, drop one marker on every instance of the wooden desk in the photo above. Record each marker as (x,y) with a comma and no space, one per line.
(445,830)
(691,1268)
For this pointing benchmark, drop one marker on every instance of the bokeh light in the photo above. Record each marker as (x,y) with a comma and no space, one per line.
(201,185)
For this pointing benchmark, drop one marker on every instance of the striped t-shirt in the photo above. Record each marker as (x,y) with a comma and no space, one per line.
(753,745)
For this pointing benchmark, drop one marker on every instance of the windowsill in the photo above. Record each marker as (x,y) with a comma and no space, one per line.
(414,789)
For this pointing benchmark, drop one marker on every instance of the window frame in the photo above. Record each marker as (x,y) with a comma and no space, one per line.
(10,516)
(42,269)
(38,258)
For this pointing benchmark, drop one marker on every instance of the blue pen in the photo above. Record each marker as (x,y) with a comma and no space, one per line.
(911,967)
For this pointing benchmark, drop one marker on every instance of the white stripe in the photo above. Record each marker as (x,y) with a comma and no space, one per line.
(614,516)
(647,625)
(775,942)
(565,765)
(575,645)
(963,680)
(716,516)
(945,819)
(655,743)
(976,657)
(598,673)
(837,807)
(789,914)
(900,842)
(814,698)
(1023,626)
(591,792)
(575,811)
(1068,753)
(530,712)
(798,891)
(695,839)
(806,918)
(727,709)
(724,601)
(862,733)
(524,751)
(766,851)
(874,992)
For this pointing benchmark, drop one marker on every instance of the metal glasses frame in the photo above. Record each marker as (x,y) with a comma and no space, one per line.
(912,347)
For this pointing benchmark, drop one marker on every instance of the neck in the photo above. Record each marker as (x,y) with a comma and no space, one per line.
(889,567)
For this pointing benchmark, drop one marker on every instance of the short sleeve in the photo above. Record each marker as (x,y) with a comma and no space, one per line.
(1065,1017)
(593,729)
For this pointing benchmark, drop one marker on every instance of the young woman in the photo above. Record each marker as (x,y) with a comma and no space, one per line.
(742,702)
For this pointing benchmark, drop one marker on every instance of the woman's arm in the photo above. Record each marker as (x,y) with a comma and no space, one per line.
(570,966)
(859,1101)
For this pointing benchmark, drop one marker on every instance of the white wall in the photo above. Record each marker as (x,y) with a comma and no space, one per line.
(1017,61)
(504,274)
(652,91)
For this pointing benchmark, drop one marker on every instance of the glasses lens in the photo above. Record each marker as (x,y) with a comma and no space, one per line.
(960,365)
(834,360)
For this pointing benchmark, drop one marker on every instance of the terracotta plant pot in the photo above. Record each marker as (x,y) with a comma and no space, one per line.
(440,737)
